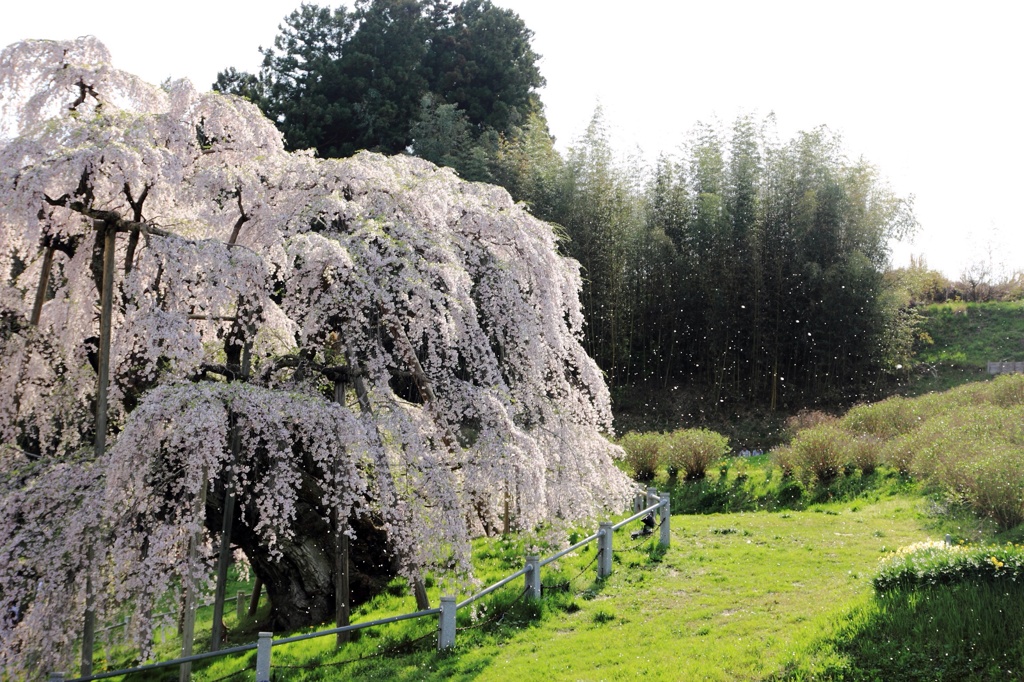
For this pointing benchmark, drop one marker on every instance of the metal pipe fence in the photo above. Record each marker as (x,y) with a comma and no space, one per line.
(446,612)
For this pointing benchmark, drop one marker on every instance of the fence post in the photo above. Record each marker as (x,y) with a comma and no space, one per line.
(638,502)
(652,497)
(532,576)
(666,524)
(263,645)
(604,546)
(446,625)
(240,605)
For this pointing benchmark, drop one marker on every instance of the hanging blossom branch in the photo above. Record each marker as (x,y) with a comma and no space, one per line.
(414,340)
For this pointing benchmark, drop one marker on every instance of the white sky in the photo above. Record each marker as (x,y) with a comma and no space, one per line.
(927,91)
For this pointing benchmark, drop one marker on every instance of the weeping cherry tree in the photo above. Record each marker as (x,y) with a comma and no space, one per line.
(210,343)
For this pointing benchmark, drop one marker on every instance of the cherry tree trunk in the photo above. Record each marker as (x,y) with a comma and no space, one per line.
(300,584)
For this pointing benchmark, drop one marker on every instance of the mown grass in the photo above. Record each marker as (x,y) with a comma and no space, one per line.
(779,594)
(940,612)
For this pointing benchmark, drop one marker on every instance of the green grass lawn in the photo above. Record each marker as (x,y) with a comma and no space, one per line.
(749,595)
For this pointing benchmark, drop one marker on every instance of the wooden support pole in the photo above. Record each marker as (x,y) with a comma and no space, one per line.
(254,598)
(342,596)
(191,598)
(100,442)
(44,284)
(506,521)
(224,557)
(89,626)
(342,590)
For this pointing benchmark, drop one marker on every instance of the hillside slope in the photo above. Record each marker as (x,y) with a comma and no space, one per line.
(957,340)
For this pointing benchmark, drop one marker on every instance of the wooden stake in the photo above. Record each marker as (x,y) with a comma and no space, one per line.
(189,630)
(224,557)
(44,284)
(100,443)
(342,589)
(254,598)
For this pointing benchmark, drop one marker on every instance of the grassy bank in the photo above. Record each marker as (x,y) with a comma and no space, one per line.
(957,340)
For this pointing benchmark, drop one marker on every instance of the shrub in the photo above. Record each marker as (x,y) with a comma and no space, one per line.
(887,419)
(865,453)
(785,460)
(995,487)
(642,454)
(693,451)
(899,453)
(1007,390)
(807,419)
(820,453)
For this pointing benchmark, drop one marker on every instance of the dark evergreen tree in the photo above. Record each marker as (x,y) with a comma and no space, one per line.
(341,81)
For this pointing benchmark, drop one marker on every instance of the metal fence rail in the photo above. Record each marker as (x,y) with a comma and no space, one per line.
(449,607)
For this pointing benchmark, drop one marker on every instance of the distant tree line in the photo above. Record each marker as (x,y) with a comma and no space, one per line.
(747,265)
(980,281)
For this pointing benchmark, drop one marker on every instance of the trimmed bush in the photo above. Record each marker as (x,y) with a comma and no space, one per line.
(886,419)
(693,451)
(820,453)
(864,453)
(785,459)
(642,454)
(807,419)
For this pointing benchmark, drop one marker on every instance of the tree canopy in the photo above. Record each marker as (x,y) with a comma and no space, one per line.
(366,346)
(340,81)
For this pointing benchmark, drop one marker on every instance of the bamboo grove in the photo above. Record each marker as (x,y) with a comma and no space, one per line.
(748,266)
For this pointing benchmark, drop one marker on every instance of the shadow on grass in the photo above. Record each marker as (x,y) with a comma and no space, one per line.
(968,631)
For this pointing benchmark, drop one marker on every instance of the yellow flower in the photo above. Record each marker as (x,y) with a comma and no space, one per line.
(996,562)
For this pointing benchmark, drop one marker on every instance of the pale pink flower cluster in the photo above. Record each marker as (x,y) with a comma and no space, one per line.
(443,307)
